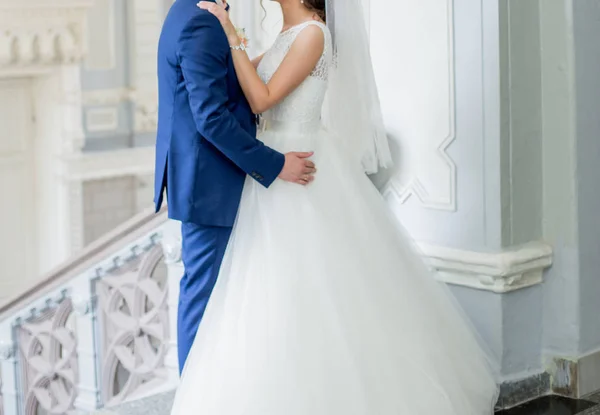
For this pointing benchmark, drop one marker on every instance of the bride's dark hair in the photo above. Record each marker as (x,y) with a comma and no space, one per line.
(318,7)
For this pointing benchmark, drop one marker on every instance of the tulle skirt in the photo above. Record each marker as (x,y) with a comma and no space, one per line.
(324,307)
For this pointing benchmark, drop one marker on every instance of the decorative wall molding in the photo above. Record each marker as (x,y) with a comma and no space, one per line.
(39,34)
(102,119)
(106,97)
(418,101)
(106,164)
(497,272)
(502,272)
(145,102)
(145,21)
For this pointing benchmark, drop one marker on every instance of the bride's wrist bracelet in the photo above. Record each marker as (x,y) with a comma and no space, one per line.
(238,40)
(240,46)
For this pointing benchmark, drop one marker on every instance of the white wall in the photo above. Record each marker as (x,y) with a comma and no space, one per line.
(428,58)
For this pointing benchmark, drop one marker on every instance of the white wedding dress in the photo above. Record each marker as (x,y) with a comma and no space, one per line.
(322,306)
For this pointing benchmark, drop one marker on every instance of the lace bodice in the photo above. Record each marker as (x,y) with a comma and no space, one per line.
(304,104)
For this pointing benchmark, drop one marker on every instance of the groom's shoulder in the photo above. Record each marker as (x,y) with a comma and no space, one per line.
(185,15)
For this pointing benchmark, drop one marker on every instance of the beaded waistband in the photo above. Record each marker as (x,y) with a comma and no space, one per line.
(289,126)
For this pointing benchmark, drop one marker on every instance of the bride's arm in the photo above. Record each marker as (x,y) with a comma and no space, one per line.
(295,68)
(256,61)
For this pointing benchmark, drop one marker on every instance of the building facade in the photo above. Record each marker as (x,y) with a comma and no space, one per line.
(492,111)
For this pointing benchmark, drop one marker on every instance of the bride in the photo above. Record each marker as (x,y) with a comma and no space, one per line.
(322,305)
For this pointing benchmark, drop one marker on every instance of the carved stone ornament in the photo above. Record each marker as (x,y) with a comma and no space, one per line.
(41,33)
(134,317)
(47,345)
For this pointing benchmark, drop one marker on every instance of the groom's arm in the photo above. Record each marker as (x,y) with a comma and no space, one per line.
(202,52)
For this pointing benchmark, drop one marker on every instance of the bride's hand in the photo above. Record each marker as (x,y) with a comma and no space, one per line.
(221,13)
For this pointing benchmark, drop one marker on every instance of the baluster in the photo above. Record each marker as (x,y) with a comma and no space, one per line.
(171,242)
(88,397)
(8,371)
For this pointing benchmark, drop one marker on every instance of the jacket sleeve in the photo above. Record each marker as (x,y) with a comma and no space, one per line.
(202,51)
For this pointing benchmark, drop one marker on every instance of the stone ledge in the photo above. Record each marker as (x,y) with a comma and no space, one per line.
(501,272)
(108,164)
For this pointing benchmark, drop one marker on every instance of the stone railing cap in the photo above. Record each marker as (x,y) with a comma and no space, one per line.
(96,251)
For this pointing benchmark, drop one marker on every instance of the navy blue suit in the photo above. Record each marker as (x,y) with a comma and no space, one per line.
(206,145)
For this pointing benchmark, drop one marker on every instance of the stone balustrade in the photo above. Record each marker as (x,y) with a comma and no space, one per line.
(100,330)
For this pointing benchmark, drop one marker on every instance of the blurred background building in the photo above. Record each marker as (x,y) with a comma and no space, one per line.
(493,111)
(78,115)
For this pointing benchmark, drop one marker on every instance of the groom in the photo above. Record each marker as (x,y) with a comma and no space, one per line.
(206,145)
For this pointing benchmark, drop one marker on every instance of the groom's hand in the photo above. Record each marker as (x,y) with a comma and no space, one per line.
(298,169)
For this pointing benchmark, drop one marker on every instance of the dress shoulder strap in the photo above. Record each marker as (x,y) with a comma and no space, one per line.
(288,37)
(304,25)
(293,32)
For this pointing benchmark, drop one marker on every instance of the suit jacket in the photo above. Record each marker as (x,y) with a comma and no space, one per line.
(206,141)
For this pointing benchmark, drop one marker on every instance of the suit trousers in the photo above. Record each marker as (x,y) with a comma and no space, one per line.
(203,248)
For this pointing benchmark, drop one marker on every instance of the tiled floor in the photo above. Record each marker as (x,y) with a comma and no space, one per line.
(161,404)
(555,405)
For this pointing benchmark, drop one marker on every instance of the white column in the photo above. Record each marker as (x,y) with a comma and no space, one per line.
(8,370)
(71,108)
(59,136)
(172,250)
(88,396)
(73,141)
